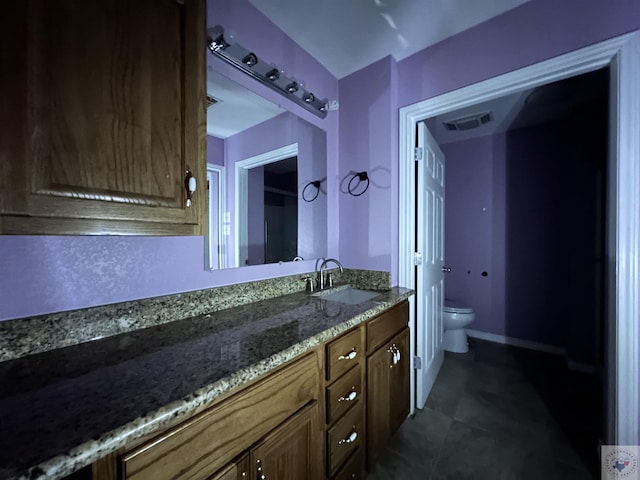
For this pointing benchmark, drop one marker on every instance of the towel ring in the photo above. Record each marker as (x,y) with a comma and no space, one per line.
(307,197)
(361,177)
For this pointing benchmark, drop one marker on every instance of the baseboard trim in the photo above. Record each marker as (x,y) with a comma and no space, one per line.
(540,347)
(584,368)
(517,342)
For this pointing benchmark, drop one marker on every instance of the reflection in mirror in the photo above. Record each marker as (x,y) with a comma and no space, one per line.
(264,157)
(267,213)
(215,249)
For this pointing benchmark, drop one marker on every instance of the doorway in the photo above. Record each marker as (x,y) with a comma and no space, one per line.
(623,230)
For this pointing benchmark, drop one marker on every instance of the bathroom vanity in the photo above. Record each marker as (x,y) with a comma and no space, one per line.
(290,387)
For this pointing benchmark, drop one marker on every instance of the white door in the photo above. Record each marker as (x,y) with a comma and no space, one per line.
(429,274)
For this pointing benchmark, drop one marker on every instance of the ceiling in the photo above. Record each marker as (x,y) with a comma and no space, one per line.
(543,104)
(347,35)
(237,108)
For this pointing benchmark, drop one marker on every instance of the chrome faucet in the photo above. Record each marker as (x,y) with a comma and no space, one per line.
(321,276)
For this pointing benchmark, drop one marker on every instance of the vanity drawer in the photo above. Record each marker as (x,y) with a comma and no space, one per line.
(344,393)
(343,354)
(208,441)
(344,437)
(353,469)
(386,325)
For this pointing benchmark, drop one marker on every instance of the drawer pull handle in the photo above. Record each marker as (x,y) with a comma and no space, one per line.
(350,439)
(349,356)
(349,398)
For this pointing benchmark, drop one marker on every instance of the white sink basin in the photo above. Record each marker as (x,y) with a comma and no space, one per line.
(349,295)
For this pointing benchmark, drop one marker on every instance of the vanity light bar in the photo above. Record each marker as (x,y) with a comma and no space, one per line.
(249,63)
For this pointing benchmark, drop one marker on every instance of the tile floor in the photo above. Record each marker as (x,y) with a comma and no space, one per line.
(500,413)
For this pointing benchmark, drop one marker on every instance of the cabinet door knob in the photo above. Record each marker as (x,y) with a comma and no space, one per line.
(395,355)
(190,186)
(350,439)
(349,398)
(349,356)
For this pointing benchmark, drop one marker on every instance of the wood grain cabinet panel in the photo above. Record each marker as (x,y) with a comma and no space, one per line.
(344,400)
(208,441)
(400,391)
(239,469)
(343,354)
(344,393)
(106,117)
(293,451)
(345,437)
(388,377)
(388,394)
(354,468)
(386,325)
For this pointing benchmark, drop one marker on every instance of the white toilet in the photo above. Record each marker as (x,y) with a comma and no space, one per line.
(455,317)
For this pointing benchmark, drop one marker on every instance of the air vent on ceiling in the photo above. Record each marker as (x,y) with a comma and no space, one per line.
(211,101)
(468,122)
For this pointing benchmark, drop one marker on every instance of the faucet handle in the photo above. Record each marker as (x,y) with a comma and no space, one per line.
(309,283)
(329,281)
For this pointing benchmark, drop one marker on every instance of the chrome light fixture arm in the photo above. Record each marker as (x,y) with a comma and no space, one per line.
(265,73)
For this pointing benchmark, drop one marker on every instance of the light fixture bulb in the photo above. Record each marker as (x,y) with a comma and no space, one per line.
(250,59)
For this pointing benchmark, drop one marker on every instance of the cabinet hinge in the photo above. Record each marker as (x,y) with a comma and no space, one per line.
(417,154)
(417,363)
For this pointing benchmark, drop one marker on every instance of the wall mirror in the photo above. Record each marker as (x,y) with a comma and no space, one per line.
(267,172)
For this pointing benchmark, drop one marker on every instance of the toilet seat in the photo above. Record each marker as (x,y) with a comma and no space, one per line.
(454,307)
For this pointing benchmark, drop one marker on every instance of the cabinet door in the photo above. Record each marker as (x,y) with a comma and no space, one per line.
(387,392)
(400,390)
(293,451)
(237,470)
(106,116)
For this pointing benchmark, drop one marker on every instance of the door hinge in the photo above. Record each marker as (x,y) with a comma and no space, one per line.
(417,154)
(417,363)
(417,258)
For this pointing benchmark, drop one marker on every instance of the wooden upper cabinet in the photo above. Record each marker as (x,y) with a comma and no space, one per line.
(105,117)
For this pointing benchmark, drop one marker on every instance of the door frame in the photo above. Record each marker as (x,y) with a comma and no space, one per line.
(242,168)
(217,203)
(622,55)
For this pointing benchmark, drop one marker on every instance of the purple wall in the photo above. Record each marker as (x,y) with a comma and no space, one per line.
(474,227)
(523,207)
(368,142)
(49,274)
(536,31)
(554,251)
(533,32)
(215,150)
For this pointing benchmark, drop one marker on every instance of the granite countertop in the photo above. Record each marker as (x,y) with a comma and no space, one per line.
(63,409)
